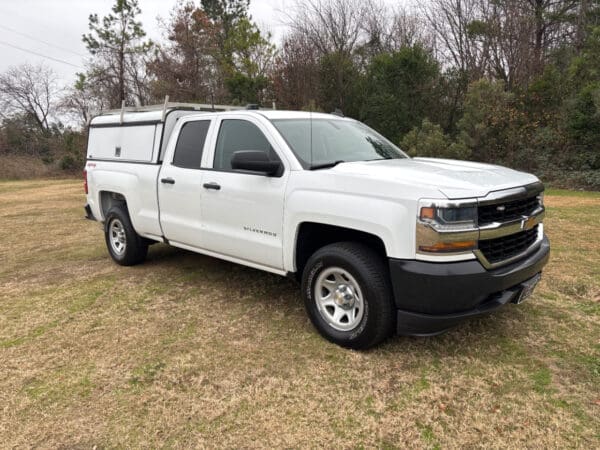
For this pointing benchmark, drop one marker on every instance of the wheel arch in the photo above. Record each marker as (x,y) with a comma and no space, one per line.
(108,199)
(311,236)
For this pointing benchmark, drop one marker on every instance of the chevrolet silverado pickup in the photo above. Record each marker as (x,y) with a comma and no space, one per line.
(380,242)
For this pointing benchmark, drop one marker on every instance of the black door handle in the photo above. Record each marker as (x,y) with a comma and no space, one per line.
(214,186)
(167,180)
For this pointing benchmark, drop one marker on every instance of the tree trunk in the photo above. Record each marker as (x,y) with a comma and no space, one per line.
(582,20)
(540,30)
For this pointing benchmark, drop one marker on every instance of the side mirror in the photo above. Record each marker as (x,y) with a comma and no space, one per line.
(255,161)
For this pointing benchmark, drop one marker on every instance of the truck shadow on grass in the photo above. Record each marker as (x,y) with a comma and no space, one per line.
(200,269)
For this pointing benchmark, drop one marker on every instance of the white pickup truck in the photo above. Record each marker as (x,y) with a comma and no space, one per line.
(381,242)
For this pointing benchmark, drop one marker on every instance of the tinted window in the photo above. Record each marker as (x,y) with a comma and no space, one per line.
(188,151)
(236,135)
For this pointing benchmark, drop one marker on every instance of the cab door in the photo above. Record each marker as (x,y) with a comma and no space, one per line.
(180,190)
(242,212)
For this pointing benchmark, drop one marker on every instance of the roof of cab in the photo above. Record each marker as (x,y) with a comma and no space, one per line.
(281,114)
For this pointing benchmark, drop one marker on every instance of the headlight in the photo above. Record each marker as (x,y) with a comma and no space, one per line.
(449,216)
(446,228)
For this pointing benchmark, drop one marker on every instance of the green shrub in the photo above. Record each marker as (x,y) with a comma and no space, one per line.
(430,140)
(47,159)
(492,125)
(583,120)
(67,162)
(400,90)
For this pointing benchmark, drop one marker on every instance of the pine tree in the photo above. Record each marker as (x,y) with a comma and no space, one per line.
(117,47)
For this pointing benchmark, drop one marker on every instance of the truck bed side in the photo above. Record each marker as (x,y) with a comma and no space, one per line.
(136,183)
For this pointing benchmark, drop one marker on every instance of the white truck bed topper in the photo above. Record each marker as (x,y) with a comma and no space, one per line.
(149,129)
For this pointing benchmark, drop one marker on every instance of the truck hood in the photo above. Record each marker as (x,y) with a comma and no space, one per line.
(454,179)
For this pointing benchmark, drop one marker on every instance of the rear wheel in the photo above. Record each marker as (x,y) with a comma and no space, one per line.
(124,245)
(347,295)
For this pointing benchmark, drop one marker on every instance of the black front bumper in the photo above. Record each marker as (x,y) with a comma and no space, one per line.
(433,297)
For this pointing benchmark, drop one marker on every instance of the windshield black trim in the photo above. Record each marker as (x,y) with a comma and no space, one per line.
(328,165)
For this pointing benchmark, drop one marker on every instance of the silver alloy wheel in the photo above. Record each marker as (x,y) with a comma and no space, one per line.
(339,299)
(117,237)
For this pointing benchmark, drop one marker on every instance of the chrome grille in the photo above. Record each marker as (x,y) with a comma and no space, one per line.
(507,211)
(502,248)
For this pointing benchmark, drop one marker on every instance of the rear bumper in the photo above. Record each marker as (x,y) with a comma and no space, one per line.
(433,297)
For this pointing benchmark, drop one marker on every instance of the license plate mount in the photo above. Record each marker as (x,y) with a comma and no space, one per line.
(528,288)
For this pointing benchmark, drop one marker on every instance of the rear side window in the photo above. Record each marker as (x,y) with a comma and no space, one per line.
(188,151)
(235,135)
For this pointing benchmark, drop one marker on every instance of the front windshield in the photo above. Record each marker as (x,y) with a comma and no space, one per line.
(334,140)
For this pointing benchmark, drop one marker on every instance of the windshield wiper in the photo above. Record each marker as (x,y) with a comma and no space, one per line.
(326,165)
(379,159)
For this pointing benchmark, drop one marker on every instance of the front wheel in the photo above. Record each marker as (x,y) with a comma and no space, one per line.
(124,245)
(347,295)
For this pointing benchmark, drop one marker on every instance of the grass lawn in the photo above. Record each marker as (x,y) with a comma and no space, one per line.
(189,351)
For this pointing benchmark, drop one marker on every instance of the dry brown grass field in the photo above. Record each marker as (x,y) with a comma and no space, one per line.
(189,351)
(20,167)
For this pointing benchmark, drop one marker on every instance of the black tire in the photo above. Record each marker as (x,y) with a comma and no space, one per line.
(135,247)
(369,270)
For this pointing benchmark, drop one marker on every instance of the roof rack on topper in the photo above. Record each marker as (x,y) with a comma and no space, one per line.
(167,105)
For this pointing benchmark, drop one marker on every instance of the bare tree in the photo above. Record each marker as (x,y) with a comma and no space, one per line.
(333,31)
(29,90)
(551,23)
(522,35)
(409,29)
(82,100)
(296,76)
(332,26)
(505,39)
(185,66)
(451,22)
(389,30)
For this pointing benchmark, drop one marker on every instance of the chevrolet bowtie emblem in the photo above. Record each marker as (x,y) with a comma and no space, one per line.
(528,223)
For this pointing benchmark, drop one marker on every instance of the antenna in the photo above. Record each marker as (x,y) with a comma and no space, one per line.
(311,137)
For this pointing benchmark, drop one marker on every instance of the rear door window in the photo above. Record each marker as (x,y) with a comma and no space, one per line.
(190,144)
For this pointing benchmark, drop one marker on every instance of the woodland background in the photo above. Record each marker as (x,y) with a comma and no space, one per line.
(512,82)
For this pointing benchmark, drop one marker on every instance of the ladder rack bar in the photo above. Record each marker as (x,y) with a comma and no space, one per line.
(171,105)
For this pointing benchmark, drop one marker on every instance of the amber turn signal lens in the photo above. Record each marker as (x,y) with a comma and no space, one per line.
(448,247)
(427,212)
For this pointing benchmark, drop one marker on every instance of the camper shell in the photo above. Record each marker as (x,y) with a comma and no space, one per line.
(140,134)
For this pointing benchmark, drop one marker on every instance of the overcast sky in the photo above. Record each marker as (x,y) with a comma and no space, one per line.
(53,28)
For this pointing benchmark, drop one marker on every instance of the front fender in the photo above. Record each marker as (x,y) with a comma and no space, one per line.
(392,221)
